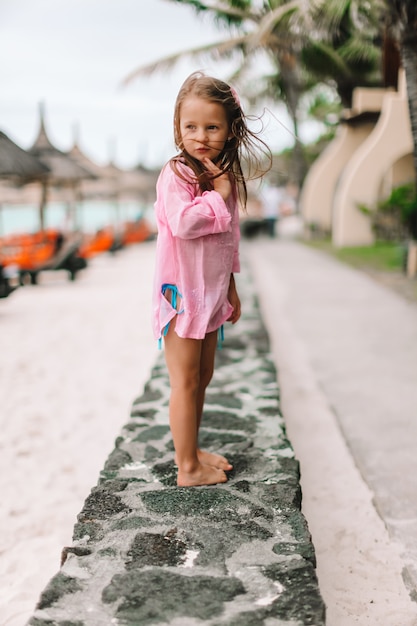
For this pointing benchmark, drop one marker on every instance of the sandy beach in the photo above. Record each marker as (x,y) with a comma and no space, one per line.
(73,357)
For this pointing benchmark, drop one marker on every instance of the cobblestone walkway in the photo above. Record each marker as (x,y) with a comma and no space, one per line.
(146,552)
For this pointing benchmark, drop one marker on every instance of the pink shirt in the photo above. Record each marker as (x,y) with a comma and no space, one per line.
(197,250)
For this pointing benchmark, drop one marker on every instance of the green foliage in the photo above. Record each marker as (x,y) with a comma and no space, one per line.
(395,218)
(403,202)
(381,256)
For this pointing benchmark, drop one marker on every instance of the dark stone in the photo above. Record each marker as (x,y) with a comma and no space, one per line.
(77,550)
(270,411)
(209,502)
(118,441)
(166,473)
(221,421)
(104,475)
(280,496)
(101,504)
(155,596)
(149,395)
(47,622)
(58,586)
(305,550)
(300,601)
(146,414)
(185,501)
(169,446)
(132,426)
(207,438)
(112,552)
(254,465)
(241,463)
(250,618)
(134,522)
(232,342)
(151,453)
(241,485)
(289,466)
(117,459)
(115,485)
(152,433)
(251,530)
(111,477)
(223,399)
(154,549)
(216,543)
(299,526)
(93,529)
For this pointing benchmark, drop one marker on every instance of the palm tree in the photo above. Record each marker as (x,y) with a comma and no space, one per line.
(254,27)
(343,47)
(401,20)
(330,41)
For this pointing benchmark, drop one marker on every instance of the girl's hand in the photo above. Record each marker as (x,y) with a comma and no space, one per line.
(222,183)
(234,301)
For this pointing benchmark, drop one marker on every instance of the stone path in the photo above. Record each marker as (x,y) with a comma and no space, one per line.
(146,552)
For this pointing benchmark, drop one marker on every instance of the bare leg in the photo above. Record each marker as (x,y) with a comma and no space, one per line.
(208,351)
(183,362)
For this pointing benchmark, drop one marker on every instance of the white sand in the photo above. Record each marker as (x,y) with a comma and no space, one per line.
(73,356)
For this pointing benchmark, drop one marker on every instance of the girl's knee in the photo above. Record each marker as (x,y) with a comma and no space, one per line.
(187,381)
(205,377)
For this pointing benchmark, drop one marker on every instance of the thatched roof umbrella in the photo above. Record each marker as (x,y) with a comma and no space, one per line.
(106,180)
(64,171)
(139,183)
(105,187)
(17,164)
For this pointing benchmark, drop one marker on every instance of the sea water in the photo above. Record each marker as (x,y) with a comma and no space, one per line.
(88,217)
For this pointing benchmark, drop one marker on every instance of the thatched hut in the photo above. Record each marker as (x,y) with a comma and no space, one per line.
(18,165)
(114,183)
(64,171)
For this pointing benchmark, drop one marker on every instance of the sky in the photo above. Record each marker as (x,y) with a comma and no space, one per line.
(72,56)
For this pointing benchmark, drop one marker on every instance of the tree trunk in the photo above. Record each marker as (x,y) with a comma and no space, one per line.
(42,205)
(408,46)
(298,161)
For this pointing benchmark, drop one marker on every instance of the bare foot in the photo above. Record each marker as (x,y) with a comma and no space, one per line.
(209,458)
(202,475)
(215,460)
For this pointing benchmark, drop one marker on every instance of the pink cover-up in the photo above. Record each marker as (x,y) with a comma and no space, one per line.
(197,251)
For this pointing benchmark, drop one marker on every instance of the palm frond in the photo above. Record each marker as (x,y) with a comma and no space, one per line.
(328,14)
(324,60)
(360,53)
(231,11)
(270,20)
(217,50)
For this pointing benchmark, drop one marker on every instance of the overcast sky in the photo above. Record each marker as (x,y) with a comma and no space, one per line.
(73,54)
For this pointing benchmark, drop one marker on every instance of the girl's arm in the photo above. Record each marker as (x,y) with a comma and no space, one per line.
(234,301)
(190,216)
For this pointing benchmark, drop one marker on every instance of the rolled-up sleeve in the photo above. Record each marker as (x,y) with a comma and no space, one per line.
(189,216)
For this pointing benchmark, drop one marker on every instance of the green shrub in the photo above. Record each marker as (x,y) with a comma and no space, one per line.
(401,207)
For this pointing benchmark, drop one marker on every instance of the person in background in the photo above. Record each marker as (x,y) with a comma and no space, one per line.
(271,197)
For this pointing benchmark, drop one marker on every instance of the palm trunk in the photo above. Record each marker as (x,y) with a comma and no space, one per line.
(43,203)
(292,93)
(408,46)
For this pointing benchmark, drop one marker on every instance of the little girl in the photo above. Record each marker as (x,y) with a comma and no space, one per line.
(197,254)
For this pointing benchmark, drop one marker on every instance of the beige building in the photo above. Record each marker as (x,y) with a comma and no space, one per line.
(371,154)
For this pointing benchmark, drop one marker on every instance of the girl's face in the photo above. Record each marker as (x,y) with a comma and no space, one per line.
(203,127)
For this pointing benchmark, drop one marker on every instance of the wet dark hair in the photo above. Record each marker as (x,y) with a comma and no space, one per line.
(245,155)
